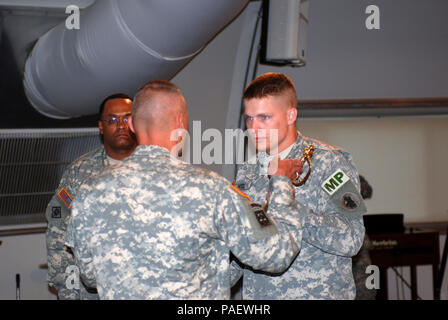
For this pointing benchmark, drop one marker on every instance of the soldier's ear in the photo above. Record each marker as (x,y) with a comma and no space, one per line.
(180,121)
(131,124)
(100,126)
(292,116)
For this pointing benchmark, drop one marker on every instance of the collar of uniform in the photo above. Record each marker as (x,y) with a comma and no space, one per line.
(298,146)
(104,157)
(151,150)
(112,160)
(264,158)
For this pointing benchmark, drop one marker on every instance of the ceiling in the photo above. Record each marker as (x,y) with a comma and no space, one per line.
(22,22)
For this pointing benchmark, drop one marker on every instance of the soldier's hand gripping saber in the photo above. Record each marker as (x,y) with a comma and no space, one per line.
(307,154)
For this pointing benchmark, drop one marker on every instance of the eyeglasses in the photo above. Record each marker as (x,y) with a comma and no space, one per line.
(116,120)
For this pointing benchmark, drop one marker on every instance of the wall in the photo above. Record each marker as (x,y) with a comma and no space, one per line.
(406,57)
(23,255)
(402,159)
(206,81)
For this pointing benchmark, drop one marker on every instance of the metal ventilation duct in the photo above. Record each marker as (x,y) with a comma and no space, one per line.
(120,45)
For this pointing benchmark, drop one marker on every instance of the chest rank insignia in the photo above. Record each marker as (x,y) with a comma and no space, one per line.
(260,215)
(65,197)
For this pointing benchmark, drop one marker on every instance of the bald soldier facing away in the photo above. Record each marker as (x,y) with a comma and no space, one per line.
(155,227)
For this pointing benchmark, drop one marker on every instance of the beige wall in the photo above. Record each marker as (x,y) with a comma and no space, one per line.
(23,255)
(404,160)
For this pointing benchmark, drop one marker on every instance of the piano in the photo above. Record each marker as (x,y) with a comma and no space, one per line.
(393,244)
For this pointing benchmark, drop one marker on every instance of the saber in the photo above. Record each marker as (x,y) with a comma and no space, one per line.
(307,154)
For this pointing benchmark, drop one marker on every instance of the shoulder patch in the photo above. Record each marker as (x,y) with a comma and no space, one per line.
(335,182)
(65,197)
(56,212)
(344,195)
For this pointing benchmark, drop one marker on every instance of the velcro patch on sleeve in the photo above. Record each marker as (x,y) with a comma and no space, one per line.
(261,224)
(260,215)
(56,213)
(344,195)
(65,197)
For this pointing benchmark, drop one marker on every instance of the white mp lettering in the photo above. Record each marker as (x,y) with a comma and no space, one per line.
(373,281)
(373,20)
(73,20)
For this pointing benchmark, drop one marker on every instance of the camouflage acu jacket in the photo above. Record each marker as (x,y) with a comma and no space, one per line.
(58,213)
(332,233)
(157,228)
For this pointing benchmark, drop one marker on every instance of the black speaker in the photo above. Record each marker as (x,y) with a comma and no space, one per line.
(283,35)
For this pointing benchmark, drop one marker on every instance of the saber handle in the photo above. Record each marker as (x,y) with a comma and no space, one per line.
(307,154)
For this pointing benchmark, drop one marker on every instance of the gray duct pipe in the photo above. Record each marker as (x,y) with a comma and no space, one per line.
(120,45)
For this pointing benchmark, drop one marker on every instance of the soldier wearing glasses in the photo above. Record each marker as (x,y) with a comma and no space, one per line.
(118,143)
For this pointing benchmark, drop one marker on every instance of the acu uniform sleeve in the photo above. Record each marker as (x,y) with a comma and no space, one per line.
(59,258)
(337,226)
(78,231)
(265,240)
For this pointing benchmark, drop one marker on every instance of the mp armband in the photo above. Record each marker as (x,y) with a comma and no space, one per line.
(344,195)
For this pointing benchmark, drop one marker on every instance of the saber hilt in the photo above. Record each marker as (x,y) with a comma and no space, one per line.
(307,154)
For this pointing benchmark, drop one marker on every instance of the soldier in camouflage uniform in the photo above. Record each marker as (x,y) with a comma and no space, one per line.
(362,260)
(155,227)
(329,202)
(118,142)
